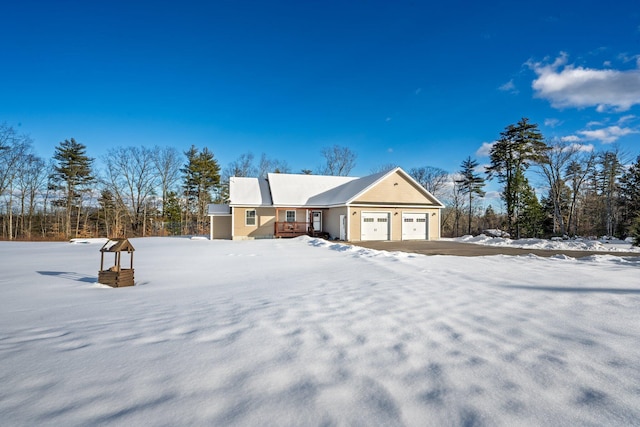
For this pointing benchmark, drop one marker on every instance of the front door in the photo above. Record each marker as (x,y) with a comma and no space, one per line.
(316,220)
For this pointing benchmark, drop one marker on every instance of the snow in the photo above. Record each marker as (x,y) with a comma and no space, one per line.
(310,332)
(580,244)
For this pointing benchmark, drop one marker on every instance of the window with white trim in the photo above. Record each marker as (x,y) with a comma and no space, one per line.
(291,216)
(250,217)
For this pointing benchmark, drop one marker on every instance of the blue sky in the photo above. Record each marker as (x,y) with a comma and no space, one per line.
(406,82)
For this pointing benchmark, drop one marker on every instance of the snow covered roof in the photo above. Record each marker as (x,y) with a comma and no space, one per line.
(249,191)
(347,191)
(298,190)
(305,190)
(219,209)
(117,245)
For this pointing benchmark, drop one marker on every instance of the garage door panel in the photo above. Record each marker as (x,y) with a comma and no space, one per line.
(414,226)
(374,226)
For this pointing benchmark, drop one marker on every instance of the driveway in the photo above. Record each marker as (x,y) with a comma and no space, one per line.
(442,247)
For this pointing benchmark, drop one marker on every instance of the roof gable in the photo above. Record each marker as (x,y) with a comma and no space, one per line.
(396,187)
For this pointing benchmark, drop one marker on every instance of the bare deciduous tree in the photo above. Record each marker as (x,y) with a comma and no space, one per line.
(384,168)
(131,178)
(268,165)
(435,180)
(167,163)
(553,166)
(339,161)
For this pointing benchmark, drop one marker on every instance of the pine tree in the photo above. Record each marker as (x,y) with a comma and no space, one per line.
(611,169)
(72,173)
(519,146)
(634,231)
(471,184)
(530,222)
(201,177)
(173,213)
(630,194)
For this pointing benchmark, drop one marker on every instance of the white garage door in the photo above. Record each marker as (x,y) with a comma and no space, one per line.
(414,226)
(375,226)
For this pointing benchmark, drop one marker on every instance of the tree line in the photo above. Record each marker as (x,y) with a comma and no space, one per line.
(584,192)
(137,191)
(142,191)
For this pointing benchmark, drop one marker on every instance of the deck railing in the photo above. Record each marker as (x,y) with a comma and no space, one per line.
(291,229)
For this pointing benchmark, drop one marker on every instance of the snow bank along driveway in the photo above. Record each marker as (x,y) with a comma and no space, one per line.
(307,332)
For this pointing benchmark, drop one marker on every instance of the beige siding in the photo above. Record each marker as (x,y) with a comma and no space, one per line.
(301,214)
(265,223)
(355,218)
(331,221)
(221,227)
(394,189)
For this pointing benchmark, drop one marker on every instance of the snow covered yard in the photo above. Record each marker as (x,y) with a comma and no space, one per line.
(308,332)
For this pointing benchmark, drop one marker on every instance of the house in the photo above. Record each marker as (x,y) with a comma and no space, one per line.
(384,206)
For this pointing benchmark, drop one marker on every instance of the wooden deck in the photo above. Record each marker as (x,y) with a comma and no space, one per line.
(291,229)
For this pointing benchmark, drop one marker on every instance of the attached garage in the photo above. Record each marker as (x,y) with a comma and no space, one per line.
(415,226)
(374,226)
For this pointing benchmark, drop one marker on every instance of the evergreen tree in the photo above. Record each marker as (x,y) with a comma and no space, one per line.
(108,212)
(610,171)
(630,194)
(201,178)
(72,172)
(173,213)
(531,214)
(634,231)
(519,146)
(490,218)
(471,183)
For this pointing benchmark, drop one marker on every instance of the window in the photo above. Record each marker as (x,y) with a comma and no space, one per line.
(382,219)
(291,216)
(250,217)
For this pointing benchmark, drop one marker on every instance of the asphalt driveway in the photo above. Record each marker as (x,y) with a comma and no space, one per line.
(445,247)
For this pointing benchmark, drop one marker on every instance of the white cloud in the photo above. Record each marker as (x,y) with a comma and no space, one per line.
(565,85)
(552,122)
(627,118)
(485,149)
(570,138)
(509,87)
(607,135)
(585,148)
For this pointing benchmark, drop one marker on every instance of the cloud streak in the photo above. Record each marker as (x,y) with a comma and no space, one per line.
(607,135)
(565,85)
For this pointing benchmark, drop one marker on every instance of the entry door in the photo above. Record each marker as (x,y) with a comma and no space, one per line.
(343,227)
(374,226)
(317,220)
